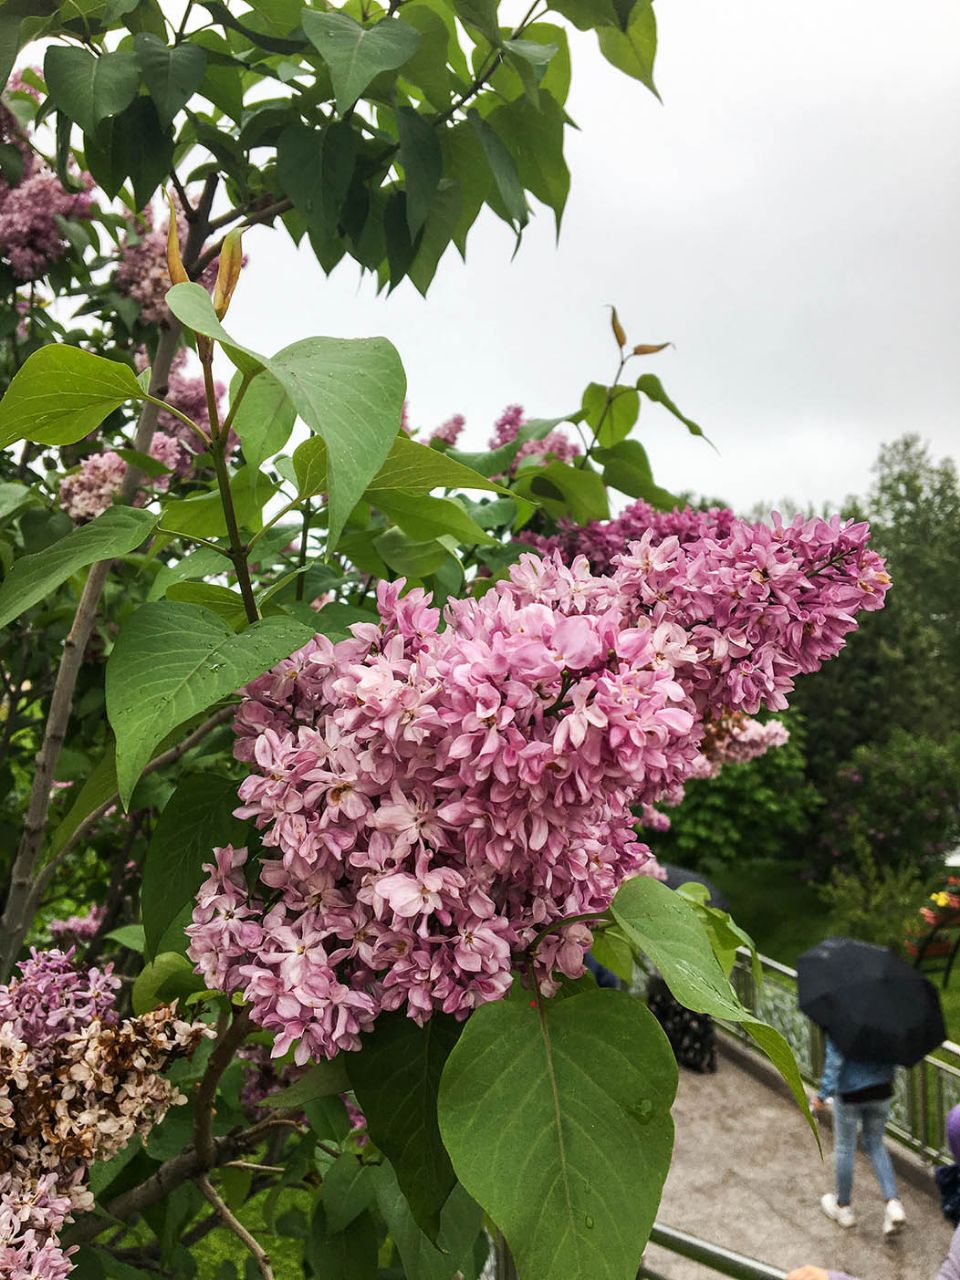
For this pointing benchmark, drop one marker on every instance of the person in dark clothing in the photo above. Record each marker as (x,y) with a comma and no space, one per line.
(692,1036)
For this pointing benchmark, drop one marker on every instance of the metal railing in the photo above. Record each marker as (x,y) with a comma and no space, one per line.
(922,1096)
(720,1261)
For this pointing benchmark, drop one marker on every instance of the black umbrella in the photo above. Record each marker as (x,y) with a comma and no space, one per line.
(873,1005)
(676,876)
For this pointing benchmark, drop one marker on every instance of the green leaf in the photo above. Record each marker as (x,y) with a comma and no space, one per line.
(481,14)
(588,15)
(422,161)
(416,468)
(88,89)
(227,604)
(401,245)
(443,217)
(201,514)
(464,161)
(172,661)
(169,977)
(342,1255)
(428,69)
(355,55)
(201,563)
(613,951)
(665,926)
(34,578)
(408,556)
(633,51)
(131,145)
(264,419)
(100,785)
(533,135)
(61,394)
(323,1080)
(563,490)
(149,466)
(13,496)
(315,169)
(424,518)
(349,1188)
(349,392)
(652,388)
(504,171)
(395,1077)
(310,467)
(129,936)
(613,409)
(172,74)
(626,467)
(569,1101)
(196,819)
(461,1222)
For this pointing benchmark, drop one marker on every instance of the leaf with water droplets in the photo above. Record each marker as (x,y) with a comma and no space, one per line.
(547,1098)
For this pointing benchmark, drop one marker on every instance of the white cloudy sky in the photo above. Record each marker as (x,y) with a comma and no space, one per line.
(788,218)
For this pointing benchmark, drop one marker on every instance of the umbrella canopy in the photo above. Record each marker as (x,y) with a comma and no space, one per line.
(676,876)
(872,1004)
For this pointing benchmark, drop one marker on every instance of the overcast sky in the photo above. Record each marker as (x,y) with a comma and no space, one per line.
(788,217)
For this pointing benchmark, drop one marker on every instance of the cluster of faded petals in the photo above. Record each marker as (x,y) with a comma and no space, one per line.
(76,1084)
(437,803)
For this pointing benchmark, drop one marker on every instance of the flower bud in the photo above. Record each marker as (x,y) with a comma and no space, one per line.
(231,260)
(617,328)
(175,265)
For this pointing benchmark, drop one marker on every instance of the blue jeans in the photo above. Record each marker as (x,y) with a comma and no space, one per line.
(848,1117)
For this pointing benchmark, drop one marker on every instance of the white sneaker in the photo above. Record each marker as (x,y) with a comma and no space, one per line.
(842,1215)
(893,1218)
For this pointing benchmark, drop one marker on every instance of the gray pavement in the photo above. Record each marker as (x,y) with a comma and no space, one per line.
(746,1174)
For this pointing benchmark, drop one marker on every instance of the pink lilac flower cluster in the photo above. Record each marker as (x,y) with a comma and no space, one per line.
(76,1085)
(439,800)
(142,273)
(758,607)
(449,432)
(602,541)
(78,928)
(556,445)
(30,239)
(87,492)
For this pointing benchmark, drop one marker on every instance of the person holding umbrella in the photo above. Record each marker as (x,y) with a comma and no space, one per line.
(878,1013)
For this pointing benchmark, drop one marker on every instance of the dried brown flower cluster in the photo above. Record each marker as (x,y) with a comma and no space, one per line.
(72,1091)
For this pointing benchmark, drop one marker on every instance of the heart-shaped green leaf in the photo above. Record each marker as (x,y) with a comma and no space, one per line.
(356,54)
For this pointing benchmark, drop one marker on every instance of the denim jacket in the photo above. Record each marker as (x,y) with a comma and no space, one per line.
(846,1075)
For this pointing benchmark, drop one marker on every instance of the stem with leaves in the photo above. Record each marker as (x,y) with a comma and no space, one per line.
(218,439)
(16,919)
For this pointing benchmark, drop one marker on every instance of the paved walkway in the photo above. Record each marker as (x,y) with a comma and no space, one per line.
(746,1174)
